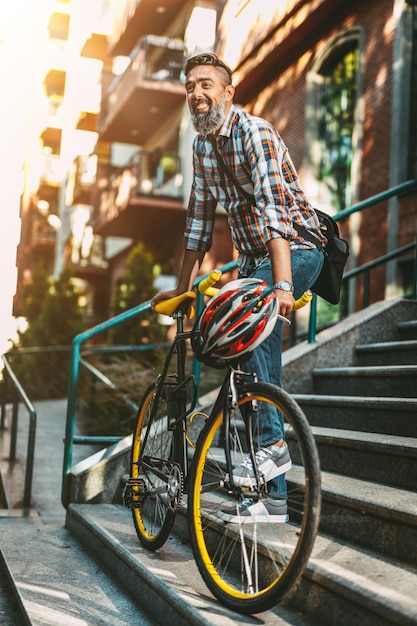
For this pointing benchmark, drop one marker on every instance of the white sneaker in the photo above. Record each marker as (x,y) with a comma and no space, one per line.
(271,462)
(248,512)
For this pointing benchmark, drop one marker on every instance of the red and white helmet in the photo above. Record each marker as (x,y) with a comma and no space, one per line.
(238,318)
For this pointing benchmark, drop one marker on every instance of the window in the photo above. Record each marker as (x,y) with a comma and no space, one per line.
(337,103)
(412,149)
(59,26)
(334,123)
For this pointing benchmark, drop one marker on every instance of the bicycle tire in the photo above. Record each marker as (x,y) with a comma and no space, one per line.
(153,514)
(277,554)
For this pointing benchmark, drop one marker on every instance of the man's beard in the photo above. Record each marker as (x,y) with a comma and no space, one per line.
(207,123)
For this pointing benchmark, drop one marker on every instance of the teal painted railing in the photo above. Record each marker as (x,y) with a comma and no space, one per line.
(19,393)
(77,359)
(70,439)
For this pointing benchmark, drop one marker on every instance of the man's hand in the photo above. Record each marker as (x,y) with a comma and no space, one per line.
(164,295)
(286,302)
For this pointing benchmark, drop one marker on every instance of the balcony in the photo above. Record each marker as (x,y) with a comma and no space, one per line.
(43,234)
(52,171)
(143,200)
(157,173)
(86,257)
(81,179)
(54,83)
(141,17)
(148,98)
(95,47)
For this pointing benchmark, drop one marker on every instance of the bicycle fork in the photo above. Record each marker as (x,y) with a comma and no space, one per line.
(249,412)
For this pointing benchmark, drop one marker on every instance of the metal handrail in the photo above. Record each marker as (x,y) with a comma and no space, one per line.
(77,360)
(73,382)
(20,392)
(397,190)
(365,269)
(70,438)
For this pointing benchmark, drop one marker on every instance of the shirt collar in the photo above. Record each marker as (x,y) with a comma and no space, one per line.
(226,128)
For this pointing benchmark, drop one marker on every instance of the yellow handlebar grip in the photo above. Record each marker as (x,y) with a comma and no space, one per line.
(305,299)
(206,284)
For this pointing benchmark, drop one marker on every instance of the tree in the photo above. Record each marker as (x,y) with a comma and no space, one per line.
(136,287)
(53,314)
(35,292)
(54,319)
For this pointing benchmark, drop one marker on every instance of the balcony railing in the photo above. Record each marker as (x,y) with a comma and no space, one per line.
(135,18)
(52,169)
(42,233)
(81,179)
(149,90)
(149,173)
(157,173)
(154,58)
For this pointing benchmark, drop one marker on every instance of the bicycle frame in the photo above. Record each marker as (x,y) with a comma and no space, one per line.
(176,394)
(231,512)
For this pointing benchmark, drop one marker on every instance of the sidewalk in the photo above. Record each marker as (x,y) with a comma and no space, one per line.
(58,582)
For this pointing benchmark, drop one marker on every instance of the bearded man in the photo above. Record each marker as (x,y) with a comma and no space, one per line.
(262,230)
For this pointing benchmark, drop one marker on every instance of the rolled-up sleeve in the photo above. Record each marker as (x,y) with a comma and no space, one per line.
(275,185)
(201,212)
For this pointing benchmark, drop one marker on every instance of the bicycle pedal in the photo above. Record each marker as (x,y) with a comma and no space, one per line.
(133,493)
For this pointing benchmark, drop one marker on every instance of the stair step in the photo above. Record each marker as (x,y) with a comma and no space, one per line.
(388,353)
(380,518)
(407,329)
(12,476)
(384,381)
(167,582)
(342,584)
(397,416)
(56,583)
(386,459)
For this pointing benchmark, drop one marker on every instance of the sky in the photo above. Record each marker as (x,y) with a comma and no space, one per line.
(15,24)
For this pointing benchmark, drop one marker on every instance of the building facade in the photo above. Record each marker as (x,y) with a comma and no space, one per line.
(337,79)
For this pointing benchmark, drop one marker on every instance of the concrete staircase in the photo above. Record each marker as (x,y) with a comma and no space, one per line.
(358,387)
(362,404)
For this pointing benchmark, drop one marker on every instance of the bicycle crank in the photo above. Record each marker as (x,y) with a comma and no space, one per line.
(134,492)
(174,488)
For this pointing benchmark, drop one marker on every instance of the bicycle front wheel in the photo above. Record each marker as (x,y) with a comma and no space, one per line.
(252,565)
(156,480)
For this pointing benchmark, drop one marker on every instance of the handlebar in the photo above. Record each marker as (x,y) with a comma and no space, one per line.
(206,287)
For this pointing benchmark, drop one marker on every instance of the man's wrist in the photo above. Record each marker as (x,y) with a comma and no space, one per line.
(284,285)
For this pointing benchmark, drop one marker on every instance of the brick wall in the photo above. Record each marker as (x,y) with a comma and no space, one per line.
(281,98)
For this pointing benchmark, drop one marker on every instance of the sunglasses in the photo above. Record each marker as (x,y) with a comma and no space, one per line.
(207,59)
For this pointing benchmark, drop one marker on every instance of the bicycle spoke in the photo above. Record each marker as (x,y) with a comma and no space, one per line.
(160,483)
(248,564)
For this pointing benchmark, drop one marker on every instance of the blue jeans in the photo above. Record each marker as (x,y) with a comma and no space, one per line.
(266,360)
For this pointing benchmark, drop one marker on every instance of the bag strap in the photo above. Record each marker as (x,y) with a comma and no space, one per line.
(249,197)
(302,231)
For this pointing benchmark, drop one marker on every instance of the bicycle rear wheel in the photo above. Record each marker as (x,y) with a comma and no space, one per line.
(156,481)
(250,567)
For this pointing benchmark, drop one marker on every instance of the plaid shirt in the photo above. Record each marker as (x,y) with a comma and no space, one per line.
(260,161)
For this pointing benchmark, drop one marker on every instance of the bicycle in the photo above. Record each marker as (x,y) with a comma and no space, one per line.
(247,567)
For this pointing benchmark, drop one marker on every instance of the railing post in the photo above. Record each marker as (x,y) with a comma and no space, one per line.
(13,436)
(92,397)
(70,423)
(366,289)
(4,399)
(293,329)
(312,323)
(415,273)
(30,460)
(196,363)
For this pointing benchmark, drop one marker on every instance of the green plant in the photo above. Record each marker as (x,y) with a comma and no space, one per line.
(54,318)
(136,287)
